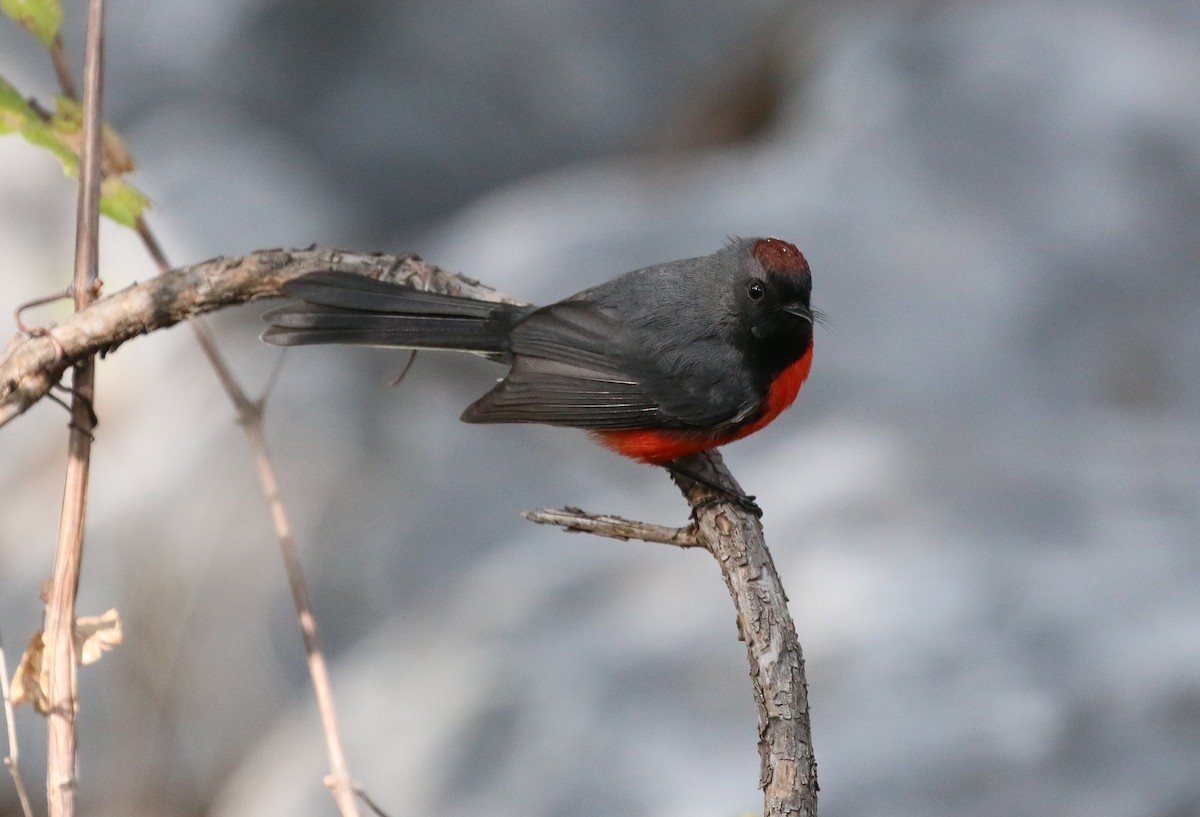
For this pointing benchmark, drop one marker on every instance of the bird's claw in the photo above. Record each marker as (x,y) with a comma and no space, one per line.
(747,503)
(743,501)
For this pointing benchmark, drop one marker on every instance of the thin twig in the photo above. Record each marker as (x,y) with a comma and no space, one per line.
(40,301)
(12,759)
(371,804)
(150,242)
(338,780)
(575,520)
(249,417)
(59,626)
(62,68)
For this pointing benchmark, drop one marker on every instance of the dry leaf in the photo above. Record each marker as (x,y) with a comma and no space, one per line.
(30,682)
(94,636)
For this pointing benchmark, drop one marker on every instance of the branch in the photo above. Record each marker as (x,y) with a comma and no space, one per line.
(575,520)
(32,365)
(59,628)
(338,781)
(788,770)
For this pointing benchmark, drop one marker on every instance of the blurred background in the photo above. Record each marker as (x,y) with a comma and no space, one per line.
(985,505)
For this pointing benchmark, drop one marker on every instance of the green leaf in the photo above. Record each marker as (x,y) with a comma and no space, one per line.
(14,110)
(121,201)
(41,17)
(41,134)
(17,115)
(68,115)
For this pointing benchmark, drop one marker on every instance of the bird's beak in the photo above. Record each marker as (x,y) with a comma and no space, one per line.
(799,310)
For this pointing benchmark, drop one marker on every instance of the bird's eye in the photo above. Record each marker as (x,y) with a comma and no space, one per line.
(757,290)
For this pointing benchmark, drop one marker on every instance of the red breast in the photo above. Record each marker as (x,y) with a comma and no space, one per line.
(658,446)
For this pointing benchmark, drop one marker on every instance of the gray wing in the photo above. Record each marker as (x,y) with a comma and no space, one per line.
(576,365)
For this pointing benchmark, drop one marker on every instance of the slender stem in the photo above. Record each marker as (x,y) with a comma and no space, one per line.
(250,418)
(12,759)
(338,780)
(62,68)
(249,415)
(60,605)
(150,241)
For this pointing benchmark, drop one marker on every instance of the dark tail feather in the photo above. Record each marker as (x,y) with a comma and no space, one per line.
(337,307)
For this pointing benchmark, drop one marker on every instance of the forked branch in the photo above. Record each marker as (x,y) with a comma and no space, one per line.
(734,535)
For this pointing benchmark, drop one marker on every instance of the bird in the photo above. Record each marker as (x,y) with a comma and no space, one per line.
(655,364)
